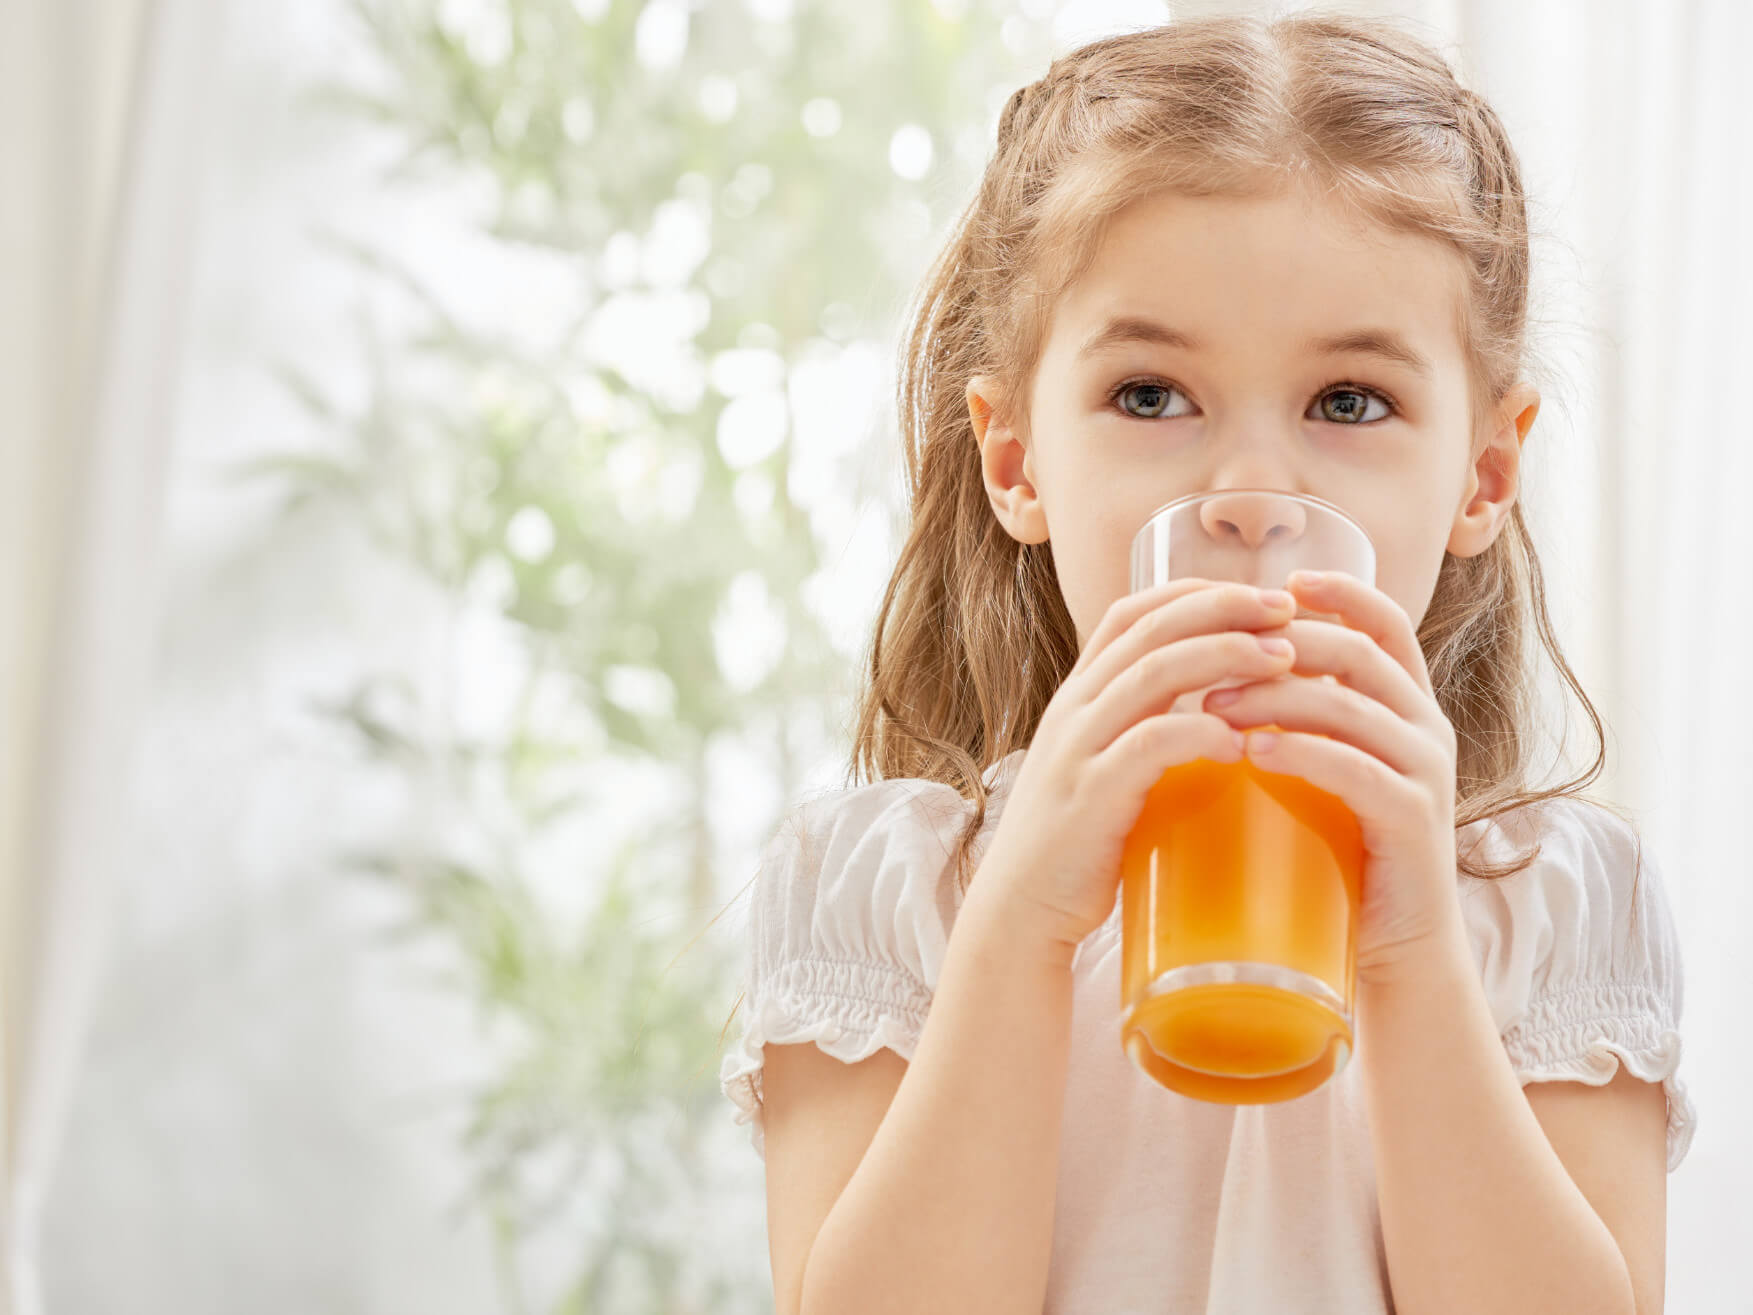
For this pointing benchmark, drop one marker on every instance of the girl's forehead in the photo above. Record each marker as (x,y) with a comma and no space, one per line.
(1256,237)
(1219,270)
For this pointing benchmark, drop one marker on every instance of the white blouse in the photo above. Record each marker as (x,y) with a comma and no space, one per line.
(1166,1203)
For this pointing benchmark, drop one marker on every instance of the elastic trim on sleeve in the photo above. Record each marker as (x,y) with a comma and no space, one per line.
(1585,1032)
(849,1008)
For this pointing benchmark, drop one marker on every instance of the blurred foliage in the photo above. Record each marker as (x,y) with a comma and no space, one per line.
(585,125)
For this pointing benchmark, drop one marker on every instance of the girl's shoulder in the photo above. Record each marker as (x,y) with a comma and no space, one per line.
(1579,953)
(908,827)
(1588,860)
(850,924)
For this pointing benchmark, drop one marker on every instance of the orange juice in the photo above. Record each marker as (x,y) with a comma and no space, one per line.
(1242,886)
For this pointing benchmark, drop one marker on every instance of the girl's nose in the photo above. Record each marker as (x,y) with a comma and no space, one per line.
(1249,517)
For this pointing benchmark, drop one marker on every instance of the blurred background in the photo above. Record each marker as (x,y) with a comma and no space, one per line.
(448,477)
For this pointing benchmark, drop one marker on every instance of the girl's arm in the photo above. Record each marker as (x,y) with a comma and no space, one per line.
(1478,1212)
(951,1207)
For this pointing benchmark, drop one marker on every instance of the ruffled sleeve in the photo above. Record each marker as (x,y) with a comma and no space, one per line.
(848,926)
(1579,955)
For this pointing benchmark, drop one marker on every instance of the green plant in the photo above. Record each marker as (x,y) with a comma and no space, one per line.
(549,487)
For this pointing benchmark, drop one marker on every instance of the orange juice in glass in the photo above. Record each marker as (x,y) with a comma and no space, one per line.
(1239,886)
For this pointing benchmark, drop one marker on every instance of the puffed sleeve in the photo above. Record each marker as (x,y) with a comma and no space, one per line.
(1579,955)
(848,926)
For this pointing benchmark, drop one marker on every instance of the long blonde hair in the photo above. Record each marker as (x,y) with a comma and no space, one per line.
(973,637)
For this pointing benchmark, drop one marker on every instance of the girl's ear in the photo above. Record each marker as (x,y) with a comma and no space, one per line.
(1494,479)
(1007,465)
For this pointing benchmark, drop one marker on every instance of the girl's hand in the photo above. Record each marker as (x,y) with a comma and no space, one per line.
(1391,758)
(1106,737)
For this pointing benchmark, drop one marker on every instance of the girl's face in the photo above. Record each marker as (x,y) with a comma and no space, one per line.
(1235,343)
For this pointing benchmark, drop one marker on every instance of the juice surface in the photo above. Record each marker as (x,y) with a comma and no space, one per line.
(1228,863)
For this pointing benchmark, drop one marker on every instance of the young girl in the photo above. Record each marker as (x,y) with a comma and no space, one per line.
(1220,254)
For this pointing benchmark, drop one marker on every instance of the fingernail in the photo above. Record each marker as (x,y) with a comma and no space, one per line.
(1222,698)
(1276,598)
(1306,578)
(1276,647)
(1262,741)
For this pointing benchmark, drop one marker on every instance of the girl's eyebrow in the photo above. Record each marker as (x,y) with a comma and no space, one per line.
(1385,343)
(1376,342)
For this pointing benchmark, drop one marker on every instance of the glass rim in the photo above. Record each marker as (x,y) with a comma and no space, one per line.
(1309,498)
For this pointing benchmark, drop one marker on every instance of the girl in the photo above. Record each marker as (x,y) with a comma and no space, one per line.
(1222,253)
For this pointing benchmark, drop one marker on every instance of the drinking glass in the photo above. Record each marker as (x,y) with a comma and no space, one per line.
(1240,886)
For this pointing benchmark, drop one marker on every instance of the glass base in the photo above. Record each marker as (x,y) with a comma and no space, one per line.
(1238,1033)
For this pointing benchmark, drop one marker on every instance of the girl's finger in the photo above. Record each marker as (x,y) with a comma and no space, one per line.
(1327,648)
(1367,785)
(1204,607)
(1366,608)
(1152,685)
(1318,705)
(1124,611)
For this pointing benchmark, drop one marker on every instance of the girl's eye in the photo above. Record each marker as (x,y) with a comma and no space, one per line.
(1152,396)
(1341,403)
(1345,404)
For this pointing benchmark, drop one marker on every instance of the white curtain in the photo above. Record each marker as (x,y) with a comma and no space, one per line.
(101,117)
(1632,122)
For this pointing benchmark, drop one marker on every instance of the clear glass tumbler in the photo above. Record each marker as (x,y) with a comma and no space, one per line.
(1240,886)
